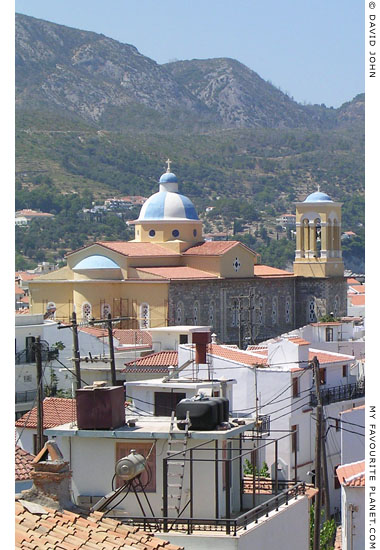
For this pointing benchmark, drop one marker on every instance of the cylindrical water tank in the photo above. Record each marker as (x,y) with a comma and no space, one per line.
(130,466)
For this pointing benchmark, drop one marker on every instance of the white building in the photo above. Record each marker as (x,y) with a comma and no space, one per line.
(214,513)
(275,381)
(352,479)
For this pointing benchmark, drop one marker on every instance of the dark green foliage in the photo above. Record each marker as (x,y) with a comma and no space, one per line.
(327,532)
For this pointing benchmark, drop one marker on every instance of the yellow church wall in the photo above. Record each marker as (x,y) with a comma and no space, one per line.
(318,268)
(58,292)
(205,263)
(155,261)
(244,256)
(163,231)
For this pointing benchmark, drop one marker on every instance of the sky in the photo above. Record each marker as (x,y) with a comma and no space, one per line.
(313,50)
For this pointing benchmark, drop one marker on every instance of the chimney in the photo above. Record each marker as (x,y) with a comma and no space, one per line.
(201,339)
(51,479)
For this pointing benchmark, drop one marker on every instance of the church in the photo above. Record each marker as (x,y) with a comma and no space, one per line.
(169,275)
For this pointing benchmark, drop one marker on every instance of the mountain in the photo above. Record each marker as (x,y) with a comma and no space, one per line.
(87,76)
(240,96)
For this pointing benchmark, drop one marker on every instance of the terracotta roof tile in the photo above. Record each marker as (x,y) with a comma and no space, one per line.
(56,411)
(299,341)
(178,272)
(357,299)
(67,530)
(352,475)
(155,362)
(211,248)
(23,464)
(138,249)
(18,290)
(361,407)
(268,271)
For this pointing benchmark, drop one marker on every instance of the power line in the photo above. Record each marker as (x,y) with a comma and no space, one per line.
(345,422)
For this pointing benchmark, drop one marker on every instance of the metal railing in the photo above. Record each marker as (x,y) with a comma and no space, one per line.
(25,396)
(339,393)
(227,525)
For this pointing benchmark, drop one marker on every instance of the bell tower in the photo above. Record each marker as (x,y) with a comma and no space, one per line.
(318,246)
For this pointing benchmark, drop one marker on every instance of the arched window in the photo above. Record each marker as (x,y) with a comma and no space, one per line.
(235,314)
(336,306)
(311,316)
(211,312)
(105,311)
(50,310)
(86,311)
(288,310)
(261,312)
(144,315)
(196,313)
(274,310)
(179,314)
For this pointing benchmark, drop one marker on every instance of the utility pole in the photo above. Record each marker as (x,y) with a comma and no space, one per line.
(112,353)
(40,397)
(317,460)
(324,469)
(76,358)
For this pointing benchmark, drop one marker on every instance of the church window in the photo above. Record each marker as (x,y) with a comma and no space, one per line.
(196,313)
(336,306)
(175,233)
(50,310)
(211,308)
(152,233)
(235,314)
(311,311)
(194,232)
(86,311)
(288,311)
(261,312)
(236,264)
(274,310)
(105,310)
(144,315)
(179,313)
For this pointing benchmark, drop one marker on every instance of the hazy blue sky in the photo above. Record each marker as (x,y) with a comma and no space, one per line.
(313,49)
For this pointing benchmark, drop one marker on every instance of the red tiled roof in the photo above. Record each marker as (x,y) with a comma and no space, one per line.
(24,300)
(352,475)
(56,411)
(298,340)
(238,356)
(25,276)
(66,529)
(211,248)
(22,311)
(268,271)
(325,357)
(155,362)
(358,289)
(19,291)
(138,249)
(178,272)
(23,464)
(351,281)
(357,299)
(327,324)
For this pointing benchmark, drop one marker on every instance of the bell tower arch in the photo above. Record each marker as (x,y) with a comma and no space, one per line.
(318,243)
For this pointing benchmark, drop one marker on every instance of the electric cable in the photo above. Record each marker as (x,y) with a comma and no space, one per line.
(287,413)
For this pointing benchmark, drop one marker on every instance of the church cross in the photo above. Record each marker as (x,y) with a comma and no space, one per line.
(318,187)
(168,162)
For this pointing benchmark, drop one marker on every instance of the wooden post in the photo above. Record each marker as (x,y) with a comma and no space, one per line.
(112,353)
(317,459)
(76,350)
(40,397)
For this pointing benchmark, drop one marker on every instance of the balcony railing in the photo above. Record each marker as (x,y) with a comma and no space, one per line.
(229,526)
(25,396)
(339,393)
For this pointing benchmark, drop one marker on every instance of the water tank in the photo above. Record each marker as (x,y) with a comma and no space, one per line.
(205,414)
(100,408)
(130,466)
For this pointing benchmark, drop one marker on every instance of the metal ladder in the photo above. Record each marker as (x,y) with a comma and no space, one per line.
(176,468)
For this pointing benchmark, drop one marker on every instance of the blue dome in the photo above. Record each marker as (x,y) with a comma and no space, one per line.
(168,177)
(318,196)
(166,205)
(96,262)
